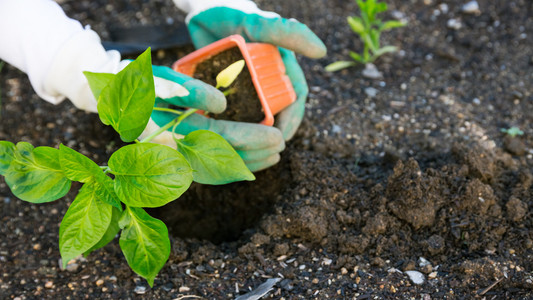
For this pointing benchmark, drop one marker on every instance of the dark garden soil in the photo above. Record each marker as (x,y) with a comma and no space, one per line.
(243,104)
(406,173)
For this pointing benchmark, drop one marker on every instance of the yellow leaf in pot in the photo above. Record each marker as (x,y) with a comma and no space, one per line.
(226,77)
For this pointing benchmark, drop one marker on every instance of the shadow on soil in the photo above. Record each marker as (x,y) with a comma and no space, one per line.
(222,213)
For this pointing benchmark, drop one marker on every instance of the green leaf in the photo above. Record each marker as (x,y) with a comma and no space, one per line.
(149,175)
(386,49)
(6,156)
(513,131)
(227,76)
(35,174)
(369,6)
(144,242)
(109,235)
(380,7)
(98,81)
(84,224)
(212,158)
(339,65)
(374,38)
(356,24)
(356,56)
(367,39)
(127,101)
(392,24)
(76,166)
(361,4)
(105,190)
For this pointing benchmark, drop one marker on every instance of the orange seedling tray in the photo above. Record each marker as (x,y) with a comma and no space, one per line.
(265,65)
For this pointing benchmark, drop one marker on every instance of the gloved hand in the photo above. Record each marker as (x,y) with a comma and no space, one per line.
(258,145)
(211,20)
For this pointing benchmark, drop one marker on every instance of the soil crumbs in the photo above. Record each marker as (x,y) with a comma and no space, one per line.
(407,191)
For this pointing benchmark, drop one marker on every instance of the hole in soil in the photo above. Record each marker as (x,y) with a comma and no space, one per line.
(222,213)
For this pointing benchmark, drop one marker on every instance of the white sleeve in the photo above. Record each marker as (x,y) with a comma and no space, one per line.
(194,7)
(39,39)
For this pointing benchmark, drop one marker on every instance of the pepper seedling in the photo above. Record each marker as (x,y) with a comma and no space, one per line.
(369,28)
(512,132)
(227,76)
(143,174)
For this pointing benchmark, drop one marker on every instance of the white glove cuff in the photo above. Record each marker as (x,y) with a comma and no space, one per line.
(82,52)
(194,7)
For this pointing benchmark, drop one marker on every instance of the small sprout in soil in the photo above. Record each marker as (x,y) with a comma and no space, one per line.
(113,197)
(369,28)
(513,131)
(227,76)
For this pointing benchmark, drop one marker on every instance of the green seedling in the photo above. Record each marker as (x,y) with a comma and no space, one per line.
(227,76)
(513,131)
(369,28)
(139,175)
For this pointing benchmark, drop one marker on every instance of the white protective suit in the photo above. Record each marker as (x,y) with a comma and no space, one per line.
(54,50)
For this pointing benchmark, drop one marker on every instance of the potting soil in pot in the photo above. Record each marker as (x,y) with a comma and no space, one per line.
(243,105)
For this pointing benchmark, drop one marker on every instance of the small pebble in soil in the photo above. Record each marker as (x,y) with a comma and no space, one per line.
(372,72)
(422,262)
(415,276)
(72,267)
(336,128)
(344,271)
(471,7)
(444,8)
(140,290)
(286,284)
(167,287)
(49,284)
(398,15)
(371,92)
(454,24)
(432,275)
(517,95)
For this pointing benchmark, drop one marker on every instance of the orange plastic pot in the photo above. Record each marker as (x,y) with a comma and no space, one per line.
(265,65)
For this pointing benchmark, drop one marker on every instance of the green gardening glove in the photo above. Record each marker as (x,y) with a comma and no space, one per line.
(211,20)
(259,146)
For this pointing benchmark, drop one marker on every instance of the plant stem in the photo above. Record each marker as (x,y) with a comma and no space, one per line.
(170,110)
(229,91)
(366,54)
(169,124)
(106,169)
